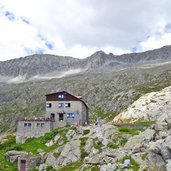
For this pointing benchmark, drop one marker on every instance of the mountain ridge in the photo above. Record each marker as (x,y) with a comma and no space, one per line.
(33,65)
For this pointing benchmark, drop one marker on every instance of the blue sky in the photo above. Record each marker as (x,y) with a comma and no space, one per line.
(79,28)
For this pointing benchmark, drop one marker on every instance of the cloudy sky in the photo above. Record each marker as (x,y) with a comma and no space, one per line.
(78,28)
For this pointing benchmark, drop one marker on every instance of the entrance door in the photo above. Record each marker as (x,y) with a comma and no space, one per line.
(61,116)
(23,165)
(52,117)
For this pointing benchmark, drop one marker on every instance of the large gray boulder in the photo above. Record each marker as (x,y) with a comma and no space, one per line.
(138,143)
(65,155)
(156,162)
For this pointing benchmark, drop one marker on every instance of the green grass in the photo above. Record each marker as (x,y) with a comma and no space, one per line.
(143,123)
(5,165)
(122,141)
(134,165)
(98,145)
(82,145)
(31,145)
(97,112)
(86,168)
(132,131)
(144,156)
(49,168)
(112,145)
(71,167)
(95,168)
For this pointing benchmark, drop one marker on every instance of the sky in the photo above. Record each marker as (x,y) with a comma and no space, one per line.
(78,28)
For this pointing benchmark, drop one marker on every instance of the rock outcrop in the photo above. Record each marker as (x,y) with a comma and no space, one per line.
(64,155)
(150,107)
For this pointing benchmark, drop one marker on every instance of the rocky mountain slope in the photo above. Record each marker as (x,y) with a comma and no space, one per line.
(150,107)
(106,91)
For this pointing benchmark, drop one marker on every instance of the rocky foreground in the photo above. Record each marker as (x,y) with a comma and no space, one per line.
(104,148)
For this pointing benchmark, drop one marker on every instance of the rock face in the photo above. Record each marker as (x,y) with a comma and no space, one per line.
(150,107)
(138,142)
(64,155)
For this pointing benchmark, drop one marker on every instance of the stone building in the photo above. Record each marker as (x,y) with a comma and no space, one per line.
(27,162)
(62,108)
(65,108)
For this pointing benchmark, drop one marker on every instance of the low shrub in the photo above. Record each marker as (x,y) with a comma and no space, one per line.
(123,141)
(56,154)
(85,132)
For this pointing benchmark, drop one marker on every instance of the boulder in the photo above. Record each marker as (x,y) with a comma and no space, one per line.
(161,126)
(56,138)
(93,152)
(70,134)
(104,131)
(168,165)
(65,155)
(108,167)
(125,165)
(138,143)
(156,162)
(89,145)
(42,167)
(165,152)
(168,142)
(50,143)
(97,159)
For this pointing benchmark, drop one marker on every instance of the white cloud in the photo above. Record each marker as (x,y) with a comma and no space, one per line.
(156,41)
(79,28)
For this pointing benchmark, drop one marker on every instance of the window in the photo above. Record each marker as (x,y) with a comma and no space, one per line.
(70,115)
(29,124)
(67,105)
(42,124)
(60,105)
(38,124)
(48,105)
(60,96)
(25,124)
